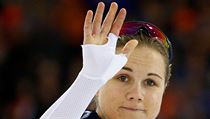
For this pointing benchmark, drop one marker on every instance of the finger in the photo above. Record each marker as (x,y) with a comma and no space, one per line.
(107,24)
(98,18)
(88,27)
(129,47)
(118,22)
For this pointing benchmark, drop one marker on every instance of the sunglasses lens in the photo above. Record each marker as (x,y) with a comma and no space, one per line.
(132,28)
(129,28)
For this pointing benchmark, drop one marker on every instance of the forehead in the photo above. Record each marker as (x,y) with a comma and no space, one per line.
(148,60)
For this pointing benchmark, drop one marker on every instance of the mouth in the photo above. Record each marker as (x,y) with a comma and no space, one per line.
(132,109)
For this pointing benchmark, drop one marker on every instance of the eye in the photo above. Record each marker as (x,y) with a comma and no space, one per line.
(150,82)
(123,78)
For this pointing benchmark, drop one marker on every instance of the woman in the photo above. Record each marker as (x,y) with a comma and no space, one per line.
(128,81)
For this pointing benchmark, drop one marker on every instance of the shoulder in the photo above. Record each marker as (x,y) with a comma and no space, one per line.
(90,115)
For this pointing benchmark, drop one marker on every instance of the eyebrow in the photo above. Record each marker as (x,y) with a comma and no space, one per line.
(154,74)
(149,74)
(128,69)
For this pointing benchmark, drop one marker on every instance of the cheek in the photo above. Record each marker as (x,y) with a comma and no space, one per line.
(153,103)
(109,99)
(111,92)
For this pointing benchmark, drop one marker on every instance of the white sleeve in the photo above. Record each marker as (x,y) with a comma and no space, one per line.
(100,63)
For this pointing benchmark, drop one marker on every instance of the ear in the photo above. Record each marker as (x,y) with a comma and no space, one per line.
(167,83)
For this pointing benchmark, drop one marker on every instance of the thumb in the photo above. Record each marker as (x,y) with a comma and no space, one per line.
(129,47)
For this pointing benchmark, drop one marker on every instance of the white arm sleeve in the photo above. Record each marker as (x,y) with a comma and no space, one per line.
(100,63)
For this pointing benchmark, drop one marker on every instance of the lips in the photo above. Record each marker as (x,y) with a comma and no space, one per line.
(132,109)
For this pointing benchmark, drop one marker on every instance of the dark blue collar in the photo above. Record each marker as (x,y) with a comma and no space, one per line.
(90,115)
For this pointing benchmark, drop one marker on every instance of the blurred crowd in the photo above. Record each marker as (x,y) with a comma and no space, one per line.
(40,53)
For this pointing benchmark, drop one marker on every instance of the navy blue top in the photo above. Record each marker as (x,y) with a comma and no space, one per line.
(90,115)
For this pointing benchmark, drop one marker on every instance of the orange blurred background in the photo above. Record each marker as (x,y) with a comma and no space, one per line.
(40,53)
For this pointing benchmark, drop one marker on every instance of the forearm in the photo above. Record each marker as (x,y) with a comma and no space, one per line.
(75,100)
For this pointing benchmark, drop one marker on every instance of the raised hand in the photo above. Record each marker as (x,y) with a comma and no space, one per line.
(96,31)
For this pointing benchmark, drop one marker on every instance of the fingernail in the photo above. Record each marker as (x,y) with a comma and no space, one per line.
(89,11)
(123,9)
(114,3)
(100,3)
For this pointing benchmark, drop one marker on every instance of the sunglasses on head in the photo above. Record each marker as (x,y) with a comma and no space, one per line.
(132,28)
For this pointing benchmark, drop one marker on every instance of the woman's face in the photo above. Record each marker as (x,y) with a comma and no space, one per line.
(136,91)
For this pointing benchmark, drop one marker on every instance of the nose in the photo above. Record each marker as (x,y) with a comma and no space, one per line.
(135,93)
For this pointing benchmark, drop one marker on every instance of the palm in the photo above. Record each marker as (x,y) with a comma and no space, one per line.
(96,31)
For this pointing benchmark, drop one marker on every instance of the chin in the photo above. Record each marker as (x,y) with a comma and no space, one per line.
(131,116)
